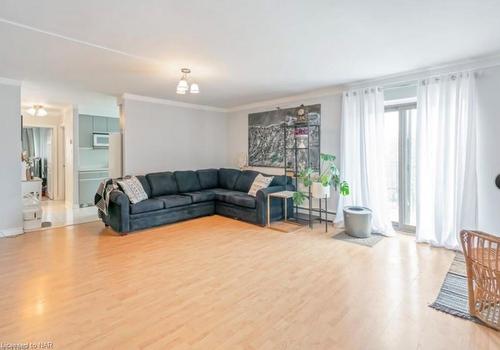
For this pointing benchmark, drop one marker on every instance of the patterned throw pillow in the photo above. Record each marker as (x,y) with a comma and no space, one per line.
(259,183)
(133,189)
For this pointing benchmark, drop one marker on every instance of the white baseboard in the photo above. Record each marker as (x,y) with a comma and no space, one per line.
(70,205)
(9,232)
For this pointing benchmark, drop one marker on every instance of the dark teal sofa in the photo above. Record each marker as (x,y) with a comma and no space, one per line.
(182,195)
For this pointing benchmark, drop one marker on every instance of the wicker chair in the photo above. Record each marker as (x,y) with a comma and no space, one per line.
(482,258)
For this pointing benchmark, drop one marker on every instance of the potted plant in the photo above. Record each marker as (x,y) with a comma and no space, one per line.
(321,183)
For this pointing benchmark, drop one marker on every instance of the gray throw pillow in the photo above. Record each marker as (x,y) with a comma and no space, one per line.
(133,189)
(259,183)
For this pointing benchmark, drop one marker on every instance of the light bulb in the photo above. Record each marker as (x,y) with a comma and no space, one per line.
(41,112)
(31,111)
(195,89)
(183,84)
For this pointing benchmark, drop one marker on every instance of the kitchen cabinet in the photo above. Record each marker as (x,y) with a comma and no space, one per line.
(89,124)
(101,124)
(85,129)
(113,124)
(88,183)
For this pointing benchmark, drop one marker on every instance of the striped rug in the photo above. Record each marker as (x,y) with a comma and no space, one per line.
(452,298)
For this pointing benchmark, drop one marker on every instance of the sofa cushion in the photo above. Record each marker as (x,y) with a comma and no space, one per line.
(278,180)
(201,196)
(241,199)
(147,205)
(209,178)
(221,193)
(245,180)
(187,181)
(162,184)
(145,184)
(175,200)
(228,178)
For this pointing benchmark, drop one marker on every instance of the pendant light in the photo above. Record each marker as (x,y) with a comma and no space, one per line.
(183,85)
(37,111)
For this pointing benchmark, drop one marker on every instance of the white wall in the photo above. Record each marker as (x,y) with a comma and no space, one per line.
(88,102)
(10,156)
(488,85)
(331,106)
(160,137)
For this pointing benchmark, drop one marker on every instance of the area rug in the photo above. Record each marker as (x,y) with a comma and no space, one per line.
(367,242)
(452,298)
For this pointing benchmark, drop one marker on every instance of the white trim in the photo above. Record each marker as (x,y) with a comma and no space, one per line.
(7,81)
(337,89)
(128,96)
(12,231)
(78,41)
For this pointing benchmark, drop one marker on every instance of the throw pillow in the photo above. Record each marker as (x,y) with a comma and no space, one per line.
(133,189)
(259,183)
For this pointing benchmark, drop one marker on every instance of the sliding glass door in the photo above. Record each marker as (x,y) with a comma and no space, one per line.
(400,159)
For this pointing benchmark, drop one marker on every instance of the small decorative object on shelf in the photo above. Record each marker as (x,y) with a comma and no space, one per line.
(301,135)
(301,114)
(27,164)
(242,160)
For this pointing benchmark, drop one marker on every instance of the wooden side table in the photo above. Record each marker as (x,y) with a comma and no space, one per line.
(284,195)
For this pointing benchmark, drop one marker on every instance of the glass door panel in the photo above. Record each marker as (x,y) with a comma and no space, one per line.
(400,164)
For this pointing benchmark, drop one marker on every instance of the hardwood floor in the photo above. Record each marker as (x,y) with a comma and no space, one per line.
(217,283)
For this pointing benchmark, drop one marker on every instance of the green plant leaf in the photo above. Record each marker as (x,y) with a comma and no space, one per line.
(299,197)
(344,188)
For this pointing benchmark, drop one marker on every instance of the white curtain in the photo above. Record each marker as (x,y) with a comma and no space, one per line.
(362,155)
(446,158)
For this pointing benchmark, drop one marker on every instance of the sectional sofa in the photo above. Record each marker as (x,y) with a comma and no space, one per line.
(182,195)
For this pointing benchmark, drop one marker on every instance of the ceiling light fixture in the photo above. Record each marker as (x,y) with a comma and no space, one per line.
(37,111)
(183,85)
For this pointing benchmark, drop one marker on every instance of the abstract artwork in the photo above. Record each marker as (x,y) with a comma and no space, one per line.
(266,135)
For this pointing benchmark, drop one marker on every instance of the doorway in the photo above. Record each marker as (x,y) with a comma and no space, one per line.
(400,163)
(38,148)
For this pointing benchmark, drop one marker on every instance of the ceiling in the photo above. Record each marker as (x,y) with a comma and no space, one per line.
(239,51)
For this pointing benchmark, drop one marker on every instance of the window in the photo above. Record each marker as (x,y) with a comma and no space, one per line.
(400,163)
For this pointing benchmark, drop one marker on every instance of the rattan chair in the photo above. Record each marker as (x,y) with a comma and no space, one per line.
(482,258)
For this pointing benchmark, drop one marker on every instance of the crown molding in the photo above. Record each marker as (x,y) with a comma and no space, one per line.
(128,96)
(337,89)
(7,81)
(77,41)
(397,78)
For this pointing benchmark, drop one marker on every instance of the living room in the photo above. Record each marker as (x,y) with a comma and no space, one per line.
(291,175)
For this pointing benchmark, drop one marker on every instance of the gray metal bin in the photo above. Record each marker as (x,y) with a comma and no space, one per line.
(358,221)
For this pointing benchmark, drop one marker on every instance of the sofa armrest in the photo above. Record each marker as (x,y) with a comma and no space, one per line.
(276,205)
(119,212)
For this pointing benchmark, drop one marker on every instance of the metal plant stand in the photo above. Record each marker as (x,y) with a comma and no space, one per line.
(302,141)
